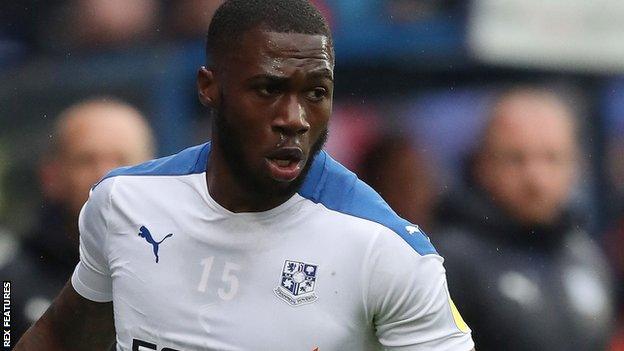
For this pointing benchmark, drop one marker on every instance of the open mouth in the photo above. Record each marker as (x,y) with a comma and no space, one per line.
(285,164)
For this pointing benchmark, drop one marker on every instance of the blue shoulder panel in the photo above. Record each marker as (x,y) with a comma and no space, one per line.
(338,189)
(189,161)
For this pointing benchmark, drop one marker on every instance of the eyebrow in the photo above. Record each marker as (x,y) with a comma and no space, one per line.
(269,77)
(323,73)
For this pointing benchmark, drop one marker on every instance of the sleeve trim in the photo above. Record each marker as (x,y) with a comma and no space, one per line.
(83,290)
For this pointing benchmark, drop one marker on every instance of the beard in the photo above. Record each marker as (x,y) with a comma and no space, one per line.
(231,143)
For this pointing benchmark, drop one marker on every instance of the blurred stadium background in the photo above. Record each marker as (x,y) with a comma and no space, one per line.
(423,68)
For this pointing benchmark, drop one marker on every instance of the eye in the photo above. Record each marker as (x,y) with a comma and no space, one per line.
(268,90)
(317,94)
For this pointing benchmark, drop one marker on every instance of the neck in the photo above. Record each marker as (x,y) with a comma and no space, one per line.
(227,190)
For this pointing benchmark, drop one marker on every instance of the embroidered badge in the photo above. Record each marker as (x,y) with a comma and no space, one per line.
(297,283)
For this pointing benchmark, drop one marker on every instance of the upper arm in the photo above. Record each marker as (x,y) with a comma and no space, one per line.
(71,323)
(409,298)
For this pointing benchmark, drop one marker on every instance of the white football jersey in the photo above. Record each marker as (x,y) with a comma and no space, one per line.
(332,268)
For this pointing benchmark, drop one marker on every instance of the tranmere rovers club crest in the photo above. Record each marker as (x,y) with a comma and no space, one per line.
(297,283)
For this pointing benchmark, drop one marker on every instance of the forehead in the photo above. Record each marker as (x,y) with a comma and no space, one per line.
(275,52)
(532,131)
(103,127)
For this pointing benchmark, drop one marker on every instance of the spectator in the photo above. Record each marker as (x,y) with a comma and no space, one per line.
(400,174)
(90,138)
(108,24)
(524,272)
(353,129)
(190,18)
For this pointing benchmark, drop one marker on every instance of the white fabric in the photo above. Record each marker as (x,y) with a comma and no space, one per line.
(213,286)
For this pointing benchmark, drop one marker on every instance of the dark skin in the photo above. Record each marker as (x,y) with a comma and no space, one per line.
(276,96)
(278,90)
(278,99)
(71,323)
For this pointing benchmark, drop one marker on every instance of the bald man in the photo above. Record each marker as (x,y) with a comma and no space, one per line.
(89,139)
(527,159)
(525,273)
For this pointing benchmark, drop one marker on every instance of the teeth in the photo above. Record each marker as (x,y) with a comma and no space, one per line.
(282,163)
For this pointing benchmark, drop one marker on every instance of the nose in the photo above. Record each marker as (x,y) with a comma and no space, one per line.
(537,173)
(291,117)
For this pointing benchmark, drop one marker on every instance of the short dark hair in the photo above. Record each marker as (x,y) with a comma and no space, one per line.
(235,17)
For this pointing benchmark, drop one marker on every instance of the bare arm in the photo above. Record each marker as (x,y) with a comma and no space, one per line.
(71,323)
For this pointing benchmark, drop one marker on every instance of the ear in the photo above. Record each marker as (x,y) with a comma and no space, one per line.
(207,87)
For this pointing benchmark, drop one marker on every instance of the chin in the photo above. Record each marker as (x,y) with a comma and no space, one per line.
(287,188)
(540,218)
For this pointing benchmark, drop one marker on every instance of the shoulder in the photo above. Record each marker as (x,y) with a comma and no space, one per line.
(188,161)
(457,240)
(581,248)
(330,184)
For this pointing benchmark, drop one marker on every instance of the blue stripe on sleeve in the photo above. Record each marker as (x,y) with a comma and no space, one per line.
(338,189)
(189,161)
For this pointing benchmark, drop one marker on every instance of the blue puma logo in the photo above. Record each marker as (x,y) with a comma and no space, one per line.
(145,233)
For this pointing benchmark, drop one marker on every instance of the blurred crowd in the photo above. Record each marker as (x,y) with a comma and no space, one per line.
(33,26)
(519,182)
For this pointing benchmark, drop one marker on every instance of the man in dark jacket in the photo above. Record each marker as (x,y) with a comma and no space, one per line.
(524,272)
(89,139)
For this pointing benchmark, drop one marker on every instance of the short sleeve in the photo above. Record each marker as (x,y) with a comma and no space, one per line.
(408,299)
(92,278)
